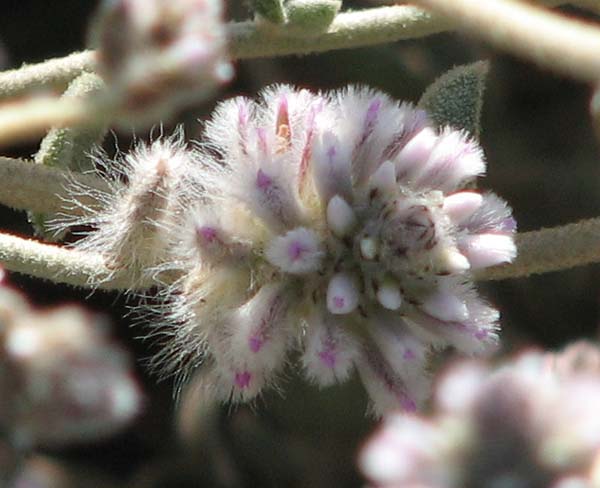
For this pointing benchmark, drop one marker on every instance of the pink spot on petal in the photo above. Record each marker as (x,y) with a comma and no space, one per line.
(242,380)
(331,152)
(295,250)
(481,334)
(327,356)
(208,234)
(372,112)
(409,355)
(256,343)
(263,181)
(242,114)
(408,404)
(262,139)
(338,302)
(508,225)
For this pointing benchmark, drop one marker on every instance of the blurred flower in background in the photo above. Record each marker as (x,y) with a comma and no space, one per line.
(62,379)
(532,422)
(158,57)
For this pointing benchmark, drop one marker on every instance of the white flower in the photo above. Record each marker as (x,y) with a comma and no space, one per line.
(338,223)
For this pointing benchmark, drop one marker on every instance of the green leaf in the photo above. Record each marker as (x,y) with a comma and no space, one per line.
(311,16)
(69,147)
(271,10)
(456,98)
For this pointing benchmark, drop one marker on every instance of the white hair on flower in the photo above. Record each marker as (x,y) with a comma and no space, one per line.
(338,223)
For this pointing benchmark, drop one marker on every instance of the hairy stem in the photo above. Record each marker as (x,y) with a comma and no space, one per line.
(58,264)
(52,74)
(548,39)
(552,249)
(253,40)
(33,117)
(540,251)
(39,188)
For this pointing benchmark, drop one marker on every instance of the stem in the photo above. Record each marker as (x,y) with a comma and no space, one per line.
(552,249)
(253,40)
(29,186)
(52,74)
(33,117)
(540,251)
(567,46)
(348,30)
(58,264)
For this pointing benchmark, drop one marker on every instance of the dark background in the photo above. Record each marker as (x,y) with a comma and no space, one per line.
(542,158)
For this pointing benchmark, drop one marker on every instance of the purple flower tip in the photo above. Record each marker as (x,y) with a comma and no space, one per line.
(327,357)
(295,250)
(242,380)
(331,152)
(256,343)
(481,334)
(508,225)
(408,404)
(263,181)
(208,234)
(409,355)
(372,111)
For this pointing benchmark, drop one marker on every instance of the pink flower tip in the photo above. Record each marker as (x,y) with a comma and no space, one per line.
(242,379)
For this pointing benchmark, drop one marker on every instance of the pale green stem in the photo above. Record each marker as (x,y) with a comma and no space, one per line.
(39,188)
(552,41)
(540,251)
(58,264)
(32,117)
(254,40)
(567,46)
(552,249)
(51,74)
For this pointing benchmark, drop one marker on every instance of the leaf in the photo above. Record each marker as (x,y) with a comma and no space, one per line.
(311,16)
(271,10)
(69,147)
(456,97)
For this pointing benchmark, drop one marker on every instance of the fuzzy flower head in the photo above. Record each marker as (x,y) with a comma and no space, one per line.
(530,423)
(142,192)
(62,379)
(338,223)
(159,55)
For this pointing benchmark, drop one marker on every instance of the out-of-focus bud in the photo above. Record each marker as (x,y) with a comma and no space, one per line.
(532,422)
(61,378)
(158,56)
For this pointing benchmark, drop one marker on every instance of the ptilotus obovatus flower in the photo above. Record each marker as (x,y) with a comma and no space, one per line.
(337,223)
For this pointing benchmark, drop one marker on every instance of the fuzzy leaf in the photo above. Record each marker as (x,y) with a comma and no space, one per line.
(271,10)
(69,147)
(311,16)
(456,97)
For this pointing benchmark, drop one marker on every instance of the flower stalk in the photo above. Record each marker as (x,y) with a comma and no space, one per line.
(550,40)
(59,264)
(38,188)
(249,40)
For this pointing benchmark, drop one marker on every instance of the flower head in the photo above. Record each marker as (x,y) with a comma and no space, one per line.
(338,223)
(158,55)
(531,422)
(62,379)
